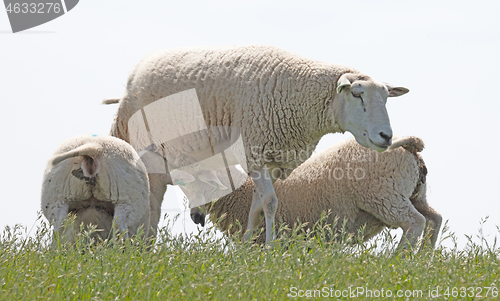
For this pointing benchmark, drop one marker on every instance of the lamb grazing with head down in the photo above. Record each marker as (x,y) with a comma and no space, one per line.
(362,187)
(99,179)
(279,101)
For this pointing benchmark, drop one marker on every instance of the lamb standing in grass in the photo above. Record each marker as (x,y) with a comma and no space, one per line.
(279,101)
(99,179)
(370,189)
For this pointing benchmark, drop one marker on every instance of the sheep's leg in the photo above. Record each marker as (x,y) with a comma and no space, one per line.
(432,220)
(264,199)
(157,187)
(59,211)
(60,214)
(412,230)
(254,218)
(432,226)
(399,213)
(123,218)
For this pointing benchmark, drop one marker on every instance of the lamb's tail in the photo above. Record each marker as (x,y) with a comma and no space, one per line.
(412,144)
(109,101)
(90,149)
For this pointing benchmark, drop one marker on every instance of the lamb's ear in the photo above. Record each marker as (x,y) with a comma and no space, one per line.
(396,91)
(180,177)
(343,82)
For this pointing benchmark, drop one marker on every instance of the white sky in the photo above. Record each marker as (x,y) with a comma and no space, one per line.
(447,53)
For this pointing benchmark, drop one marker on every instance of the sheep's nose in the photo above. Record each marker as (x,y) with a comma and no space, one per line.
(387,138)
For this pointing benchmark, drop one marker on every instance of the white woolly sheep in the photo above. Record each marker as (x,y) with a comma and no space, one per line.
(362,187)
(99,179)
(281,102)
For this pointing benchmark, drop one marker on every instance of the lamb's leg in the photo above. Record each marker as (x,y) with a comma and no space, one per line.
(59,214)
(397,212)
(432,220)
(123,218)
(412,229)
(59,211)
(264,198)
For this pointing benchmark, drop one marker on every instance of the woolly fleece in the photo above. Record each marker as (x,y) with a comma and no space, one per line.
(366,188)
(118,188)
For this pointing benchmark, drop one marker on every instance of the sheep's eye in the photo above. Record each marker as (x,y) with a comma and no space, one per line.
(356,94)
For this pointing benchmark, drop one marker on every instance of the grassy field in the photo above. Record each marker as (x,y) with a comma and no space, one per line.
(204,267)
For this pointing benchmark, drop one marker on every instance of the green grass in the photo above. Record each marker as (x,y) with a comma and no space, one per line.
(202,266)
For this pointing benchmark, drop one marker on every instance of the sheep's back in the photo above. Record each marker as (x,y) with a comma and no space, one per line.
(276,98)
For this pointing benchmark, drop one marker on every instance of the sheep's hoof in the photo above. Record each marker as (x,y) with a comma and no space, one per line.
(198,218)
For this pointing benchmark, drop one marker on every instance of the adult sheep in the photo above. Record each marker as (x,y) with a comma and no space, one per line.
(364,188)
(281,103)
(99,179)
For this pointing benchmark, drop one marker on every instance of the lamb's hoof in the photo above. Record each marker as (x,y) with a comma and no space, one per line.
(198,218)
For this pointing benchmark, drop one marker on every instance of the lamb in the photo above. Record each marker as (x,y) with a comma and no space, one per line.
(99,179)
(362,187)
(281,103)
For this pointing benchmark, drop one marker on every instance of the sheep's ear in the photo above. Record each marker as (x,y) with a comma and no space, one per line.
(396,91)
(181,178)
(342,83)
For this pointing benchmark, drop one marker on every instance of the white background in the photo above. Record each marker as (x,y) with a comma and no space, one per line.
(53,78)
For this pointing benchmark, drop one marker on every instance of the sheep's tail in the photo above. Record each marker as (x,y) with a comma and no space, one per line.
(110,101)
(412,144)
(119,127)
(90,149)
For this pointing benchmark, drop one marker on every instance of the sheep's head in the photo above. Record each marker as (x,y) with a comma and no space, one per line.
(360,109)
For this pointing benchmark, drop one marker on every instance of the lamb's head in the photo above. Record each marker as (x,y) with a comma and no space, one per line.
(360,109)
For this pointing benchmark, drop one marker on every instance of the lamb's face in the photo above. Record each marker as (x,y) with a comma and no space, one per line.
(362,109)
